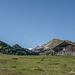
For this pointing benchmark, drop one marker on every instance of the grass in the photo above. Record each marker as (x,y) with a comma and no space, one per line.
(37,65)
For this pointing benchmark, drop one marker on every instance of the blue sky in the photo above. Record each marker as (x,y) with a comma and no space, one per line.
(35,22)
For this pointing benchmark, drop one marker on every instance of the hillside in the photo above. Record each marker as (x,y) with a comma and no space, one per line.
(4,48)
(49,45)
(14,50)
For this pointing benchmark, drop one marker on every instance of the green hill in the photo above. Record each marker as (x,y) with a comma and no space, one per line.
(14,50)
(4,48)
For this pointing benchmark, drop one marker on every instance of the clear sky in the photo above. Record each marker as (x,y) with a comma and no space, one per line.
(35,22)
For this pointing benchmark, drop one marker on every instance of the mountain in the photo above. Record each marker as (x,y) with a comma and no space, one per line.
(30,48)
(18,50)
(15,49)
(49,45)
(23,51)
(34,48)
(47,48)
(4,47)
(16,46)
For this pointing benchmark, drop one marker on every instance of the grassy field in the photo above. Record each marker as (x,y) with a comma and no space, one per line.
(37,65)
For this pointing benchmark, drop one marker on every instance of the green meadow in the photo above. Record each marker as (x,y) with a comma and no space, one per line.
(37,65)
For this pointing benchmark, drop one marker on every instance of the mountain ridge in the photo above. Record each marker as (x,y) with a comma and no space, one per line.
(18,50)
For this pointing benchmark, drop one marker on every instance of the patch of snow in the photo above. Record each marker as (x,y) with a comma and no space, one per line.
(36,47)
(30,48)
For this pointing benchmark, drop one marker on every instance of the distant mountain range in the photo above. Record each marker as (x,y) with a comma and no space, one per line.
(15,49)
(34,48)
(18,50)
